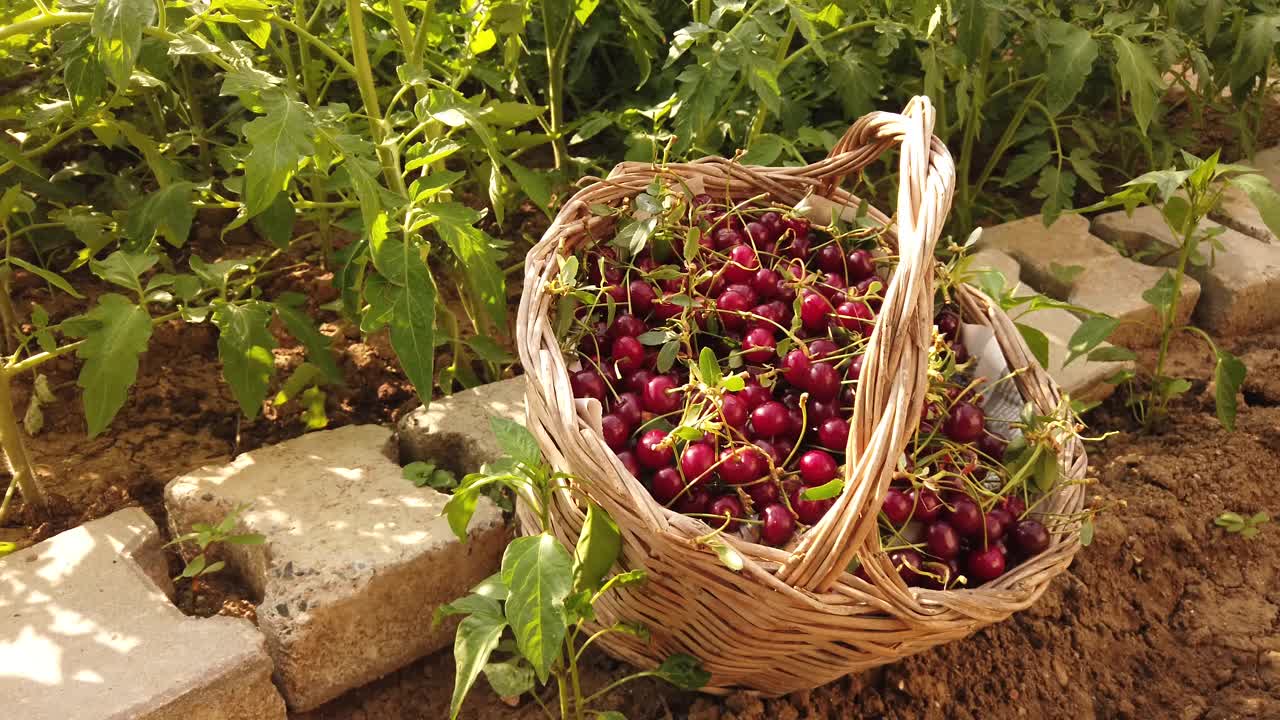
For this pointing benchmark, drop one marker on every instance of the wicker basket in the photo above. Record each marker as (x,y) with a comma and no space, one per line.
(791,619)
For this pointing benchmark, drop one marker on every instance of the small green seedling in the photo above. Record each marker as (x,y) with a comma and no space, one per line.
(1241,525)
(204,535)
(426,474)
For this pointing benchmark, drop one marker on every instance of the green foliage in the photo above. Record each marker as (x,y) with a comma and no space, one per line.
(1238,524)
(205,536)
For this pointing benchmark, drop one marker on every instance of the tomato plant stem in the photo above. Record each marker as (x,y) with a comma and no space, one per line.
(363,72)
(1158,399)
(15,451)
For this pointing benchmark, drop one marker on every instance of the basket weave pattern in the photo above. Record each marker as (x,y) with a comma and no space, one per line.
(792,618)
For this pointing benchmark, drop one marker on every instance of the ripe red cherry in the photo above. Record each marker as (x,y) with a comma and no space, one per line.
(1015,506)
(763,494)
(822,348)
(759,233)
(628,407)
(831,259)
(588,384)
(626,325)
(742,265)
(733,410)
(773,221)
(650,454)
(859,265)
(964,424)
(615,432)
(908,563)
(758,345)
(928,506)
(816,467)
(855,368)
(986,564)
(800,245)
(855,317)
(666,310)
(726,505)
(809,512)
(942,540)
(728,237)
(832,286)
(815,310)
(741,465)
(960,351)
(755,394)
(696,462)
(966,517)
(746,291)
(1030,537)
(771,419)
(798,226)
(628,460)
(627,353)
(1005,517)
(993,446)
(642,296)
(730,303)
(772,318)
(766,282)
(833,434)
(795,368)
(823,382)
(658,395)
(695,501)
(770,448)
(779,524)
(822,410)
(992,527)
(948,323)
(896,507)
(636,381)
(666,485)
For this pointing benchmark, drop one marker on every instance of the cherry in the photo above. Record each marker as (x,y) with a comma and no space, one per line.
(896,507)
(628,460)
(832,286)
(755,395)
(658,395)
(908,563)
(770,448)
(628,407)
(779,524)
(859,265)
(797,425)
(1005,517)
(993,446)
(694,501)
(627,353)
(964,424)
(701,199)
(796,368)
(816,467)
(822,410)
(771,419)
(1030,536)
(960,351)
(618,292)
(992,527)
(927,505)
(814,310)
(809,512)
(615,431)
(823,381)
(666,310)
(773,221)
(986,564)
(758,345)
(760,234)
(772,317)
(942,540)
(855,368)
(642,296)
(746,291)
(728,237)
(730,303)
(1014,505)
(626,325)
(733,409)
(822,348)
(588,384)
(830,258)
(948,324)
(726,505)
(651,454)
(636,380)
(966,517)
(855,317)
(763,494)
(741,465)
(798,226)
(666,485)
(833,434)
(766,282)
(742,265)
(799,247)
(696,461)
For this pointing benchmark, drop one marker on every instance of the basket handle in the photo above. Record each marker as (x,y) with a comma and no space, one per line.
(892,388)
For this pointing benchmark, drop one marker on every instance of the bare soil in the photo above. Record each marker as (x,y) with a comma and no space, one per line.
(1164,615)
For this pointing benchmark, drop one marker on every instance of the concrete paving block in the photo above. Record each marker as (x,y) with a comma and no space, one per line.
(1002,262)
(87,632)
(1237,213)
(1114,286)
(356,559)
(1239,286)
(454,431)
(1038,249)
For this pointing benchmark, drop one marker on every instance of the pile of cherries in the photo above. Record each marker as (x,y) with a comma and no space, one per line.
(787,309)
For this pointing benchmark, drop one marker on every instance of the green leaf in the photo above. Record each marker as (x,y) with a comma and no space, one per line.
(167,211)
(1161,295)
(303,376)
(1085,167)
(412,321)
(1027,163)
(319,348)
(474,250)
(517,442)
(244,347)
(1037,342)
(764,150)
(194,567)
(124,268)
(7,548)
(1086,532)
(709,366)
(459,509)
(418,472)
(1057,188)
(533,183)
(49,276)
(1112,354)
(667,355)
(1263,196)
(477,637)
(1047,472)
(511,114)
(86,80)
(1091,333)
(1139,79)
(278,142)
(118,26)
(1228,376)
(683,671)
(489,350)
(728,556)
(276,222)
(511,678)
(115,332)
(597,550)
(825,491)
(1071,56)
(538,573)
